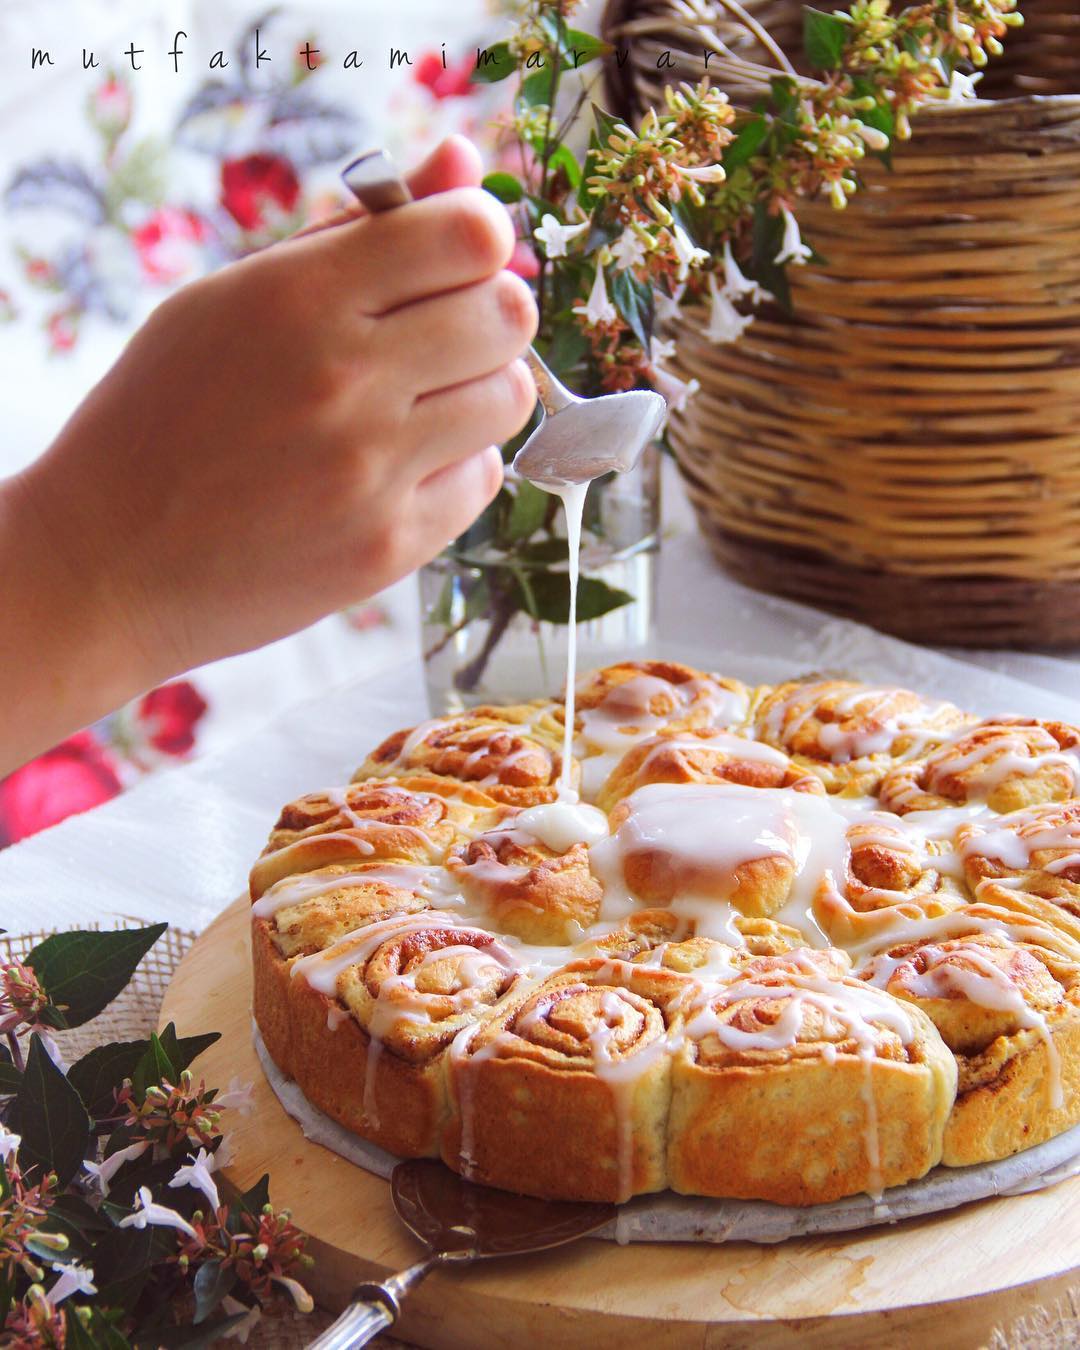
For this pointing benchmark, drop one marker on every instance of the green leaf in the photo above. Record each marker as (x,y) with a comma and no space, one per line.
(746,144)
(83,972)
(567,346)
(212,1282)
(606,125)
(564,158)
(10,1076)
(123,1260)
(550,597)
(543,551)
(768,236)
(785,97)
(536,89)
(253,1199)
(504,186)
(98,1073)
(634,301)
(185,1049)
(51,1118)
(154,1065)
(528,511)
(580,48)
(78,1337)
(824,38)
(493,64)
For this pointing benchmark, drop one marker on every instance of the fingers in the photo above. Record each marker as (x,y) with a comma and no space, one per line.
(460,336)
(451,424)
(455,162)
(447,502)
(445,241)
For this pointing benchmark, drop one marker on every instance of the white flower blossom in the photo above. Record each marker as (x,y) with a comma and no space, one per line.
(555,237)
(792,250)
(687,252)
(726,324)
(628,250)
(703,173)
(599,308)
(239,1096)
(74,1279)
(661,350)
(300,1296)
(667,306)
(737,286)
(150,1212)
(675,391)
(103,1172)
(872,137)
(196,1173)
(9,1143)
(962,87)
(242,1330)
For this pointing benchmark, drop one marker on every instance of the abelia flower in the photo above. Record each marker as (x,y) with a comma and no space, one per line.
(259,189)
(74,1279)
(196,1173)
(238,1096)
(676,392)
(962,87)
(167,243)
(792,249)
(74,776)
(628,250)
(148,1212)
(104,1171)
(555,236)
(9,1143)
(725,324)
(738,286)
(686,252)
(598,309)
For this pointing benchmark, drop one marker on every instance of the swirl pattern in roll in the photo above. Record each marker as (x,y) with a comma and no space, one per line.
(790,944)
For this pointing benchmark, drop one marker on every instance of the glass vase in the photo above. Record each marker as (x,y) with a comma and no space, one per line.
(494,605)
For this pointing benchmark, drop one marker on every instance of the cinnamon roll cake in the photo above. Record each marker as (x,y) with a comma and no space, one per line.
(786,944)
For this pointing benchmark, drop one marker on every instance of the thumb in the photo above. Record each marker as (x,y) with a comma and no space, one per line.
(455,162)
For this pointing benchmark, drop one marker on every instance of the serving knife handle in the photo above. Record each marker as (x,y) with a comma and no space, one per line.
(374,1308)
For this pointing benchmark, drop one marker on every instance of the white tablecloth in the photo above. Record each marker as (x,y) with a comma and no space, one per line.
(178,845)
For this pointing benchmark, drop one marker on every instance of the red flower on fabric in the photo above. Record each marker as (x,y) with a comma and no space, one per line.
(72,777)
(257,186)
(167,716)
(167,243)
(452,82)
(110,106)
(62,332)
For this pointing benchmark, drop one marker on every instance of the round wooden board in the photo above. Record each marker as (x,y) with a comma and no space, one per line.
(952,1278)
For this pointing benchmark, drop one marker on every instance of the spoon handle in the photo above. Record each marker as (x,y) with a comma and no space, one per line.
(374,1308)
(375,182)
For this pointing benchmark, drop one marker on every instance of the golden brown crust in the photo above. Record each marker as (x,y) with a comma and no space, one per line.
(647,1052)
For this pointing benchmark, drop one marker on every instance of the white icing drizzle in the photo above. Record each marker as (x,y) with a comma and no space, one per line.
(978,980)
(294,890)
(1012,839)
(622,718)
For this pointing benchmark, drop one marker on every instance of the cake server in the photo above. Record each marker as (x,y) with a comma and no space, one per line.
(579,439)
(458,1222)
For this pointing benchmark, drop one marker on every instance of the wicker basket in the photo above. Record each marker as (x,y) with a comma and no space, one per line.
(905,448)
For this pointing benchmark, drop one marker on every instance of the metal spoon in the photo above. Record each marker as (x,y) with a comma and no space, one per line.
(459,1222)
(580,438)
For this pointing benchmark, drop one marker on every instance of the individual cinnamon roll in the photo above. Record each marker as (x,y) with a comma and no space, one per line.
(628,702)
(703,757)
(565,1089)
(1037,847)
(708,851)
(499,750)
(848,733)
(407,820)
(651,931)
(1003,989)
(1009,763)
(394,994)
(791,1085)
(312,910)
(537,893)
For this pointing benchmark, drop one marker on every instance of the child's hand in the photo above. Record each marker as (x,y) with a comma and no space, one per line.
(287,435)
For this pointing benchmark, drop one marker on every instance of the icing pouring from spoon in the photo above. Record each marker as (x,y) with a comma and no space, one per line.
(579,439)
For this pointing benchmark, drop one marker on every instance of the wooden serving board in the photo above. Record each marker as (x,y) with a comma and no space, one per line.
(948,1280)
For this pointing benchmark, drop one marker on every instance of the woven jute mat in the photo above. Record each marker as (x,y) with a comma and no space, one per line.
(135,1014)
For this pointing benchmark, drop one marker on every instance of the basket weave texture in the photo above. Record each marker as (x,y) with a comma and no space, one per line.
(904,448)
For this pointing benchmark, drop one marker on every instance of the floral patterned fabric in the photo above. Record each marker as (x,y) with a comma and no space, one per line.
(116,187)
